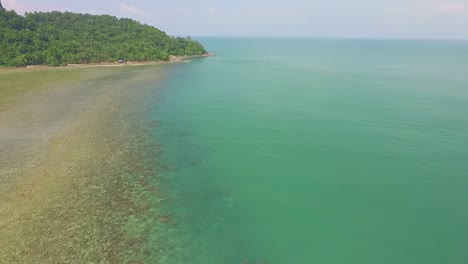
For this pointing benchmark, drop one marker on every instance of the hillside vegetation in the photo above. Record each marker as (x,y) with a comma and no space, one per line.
(58,38)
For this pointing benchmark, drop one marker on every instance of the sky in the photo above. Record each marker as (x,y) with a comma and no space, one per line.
(426,19)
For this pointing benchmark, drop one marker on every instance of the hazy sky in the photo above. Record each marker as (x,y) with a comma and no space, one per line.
(300,18)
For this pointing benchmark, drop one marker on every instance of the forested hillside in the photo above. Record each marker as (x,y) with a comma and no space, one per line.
(58,38)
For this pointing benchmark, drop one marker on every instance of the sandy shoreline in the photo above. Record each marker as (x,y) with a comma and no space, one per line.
(87,200)
(172,60)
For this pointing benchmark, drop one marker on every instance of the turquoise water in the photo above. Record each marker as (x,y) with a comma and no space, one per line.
(316,151)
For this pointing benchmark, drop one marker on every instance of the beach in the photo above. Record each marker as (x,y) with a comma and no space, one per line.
(171,60)
(74,180)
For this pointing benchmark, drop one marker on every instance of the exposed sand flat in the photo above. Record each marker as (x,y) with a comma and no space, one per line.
(83,199)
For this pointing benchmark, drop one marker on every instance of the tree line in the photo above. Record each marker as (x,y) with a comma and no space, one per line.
(61,38)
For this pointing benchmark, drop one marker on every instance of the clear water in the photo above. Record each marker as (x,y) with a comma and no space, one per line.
(316,151)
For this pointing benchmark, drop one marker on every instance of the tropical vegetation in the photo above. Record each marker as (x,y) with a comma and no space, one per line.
(61,38)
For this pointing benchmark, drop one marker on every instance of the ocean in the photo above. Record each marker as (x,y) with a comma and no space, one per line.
(274,151)
(316,151)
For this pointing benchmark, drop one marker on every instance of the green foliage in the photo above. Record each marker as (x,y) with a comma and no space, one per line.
(58,38)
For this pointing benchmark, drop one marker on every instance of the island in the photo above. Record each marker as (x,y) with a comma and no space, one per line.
(63,38)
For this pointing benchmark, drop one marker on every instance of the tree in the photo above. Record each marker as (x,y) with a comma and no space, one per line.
(57,38)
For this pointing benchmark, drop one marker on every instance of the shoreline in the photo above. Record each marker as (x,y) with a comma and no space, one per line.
(172,60)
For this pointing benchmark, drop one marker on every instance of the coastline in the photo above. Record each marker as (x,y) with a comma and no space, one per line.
(87,200)
(172,60)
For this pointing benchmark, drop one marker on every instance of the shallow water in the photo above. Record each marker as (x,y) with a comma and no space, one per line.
(75,165)
(317,151)
(275,151)
(36,103)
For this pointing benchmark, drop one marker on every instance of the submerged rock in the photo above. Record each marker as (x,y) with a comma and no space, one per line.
(164,219)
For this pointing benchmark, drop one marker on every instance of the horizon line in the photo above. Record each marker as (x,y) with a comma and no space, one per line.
(265,36)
